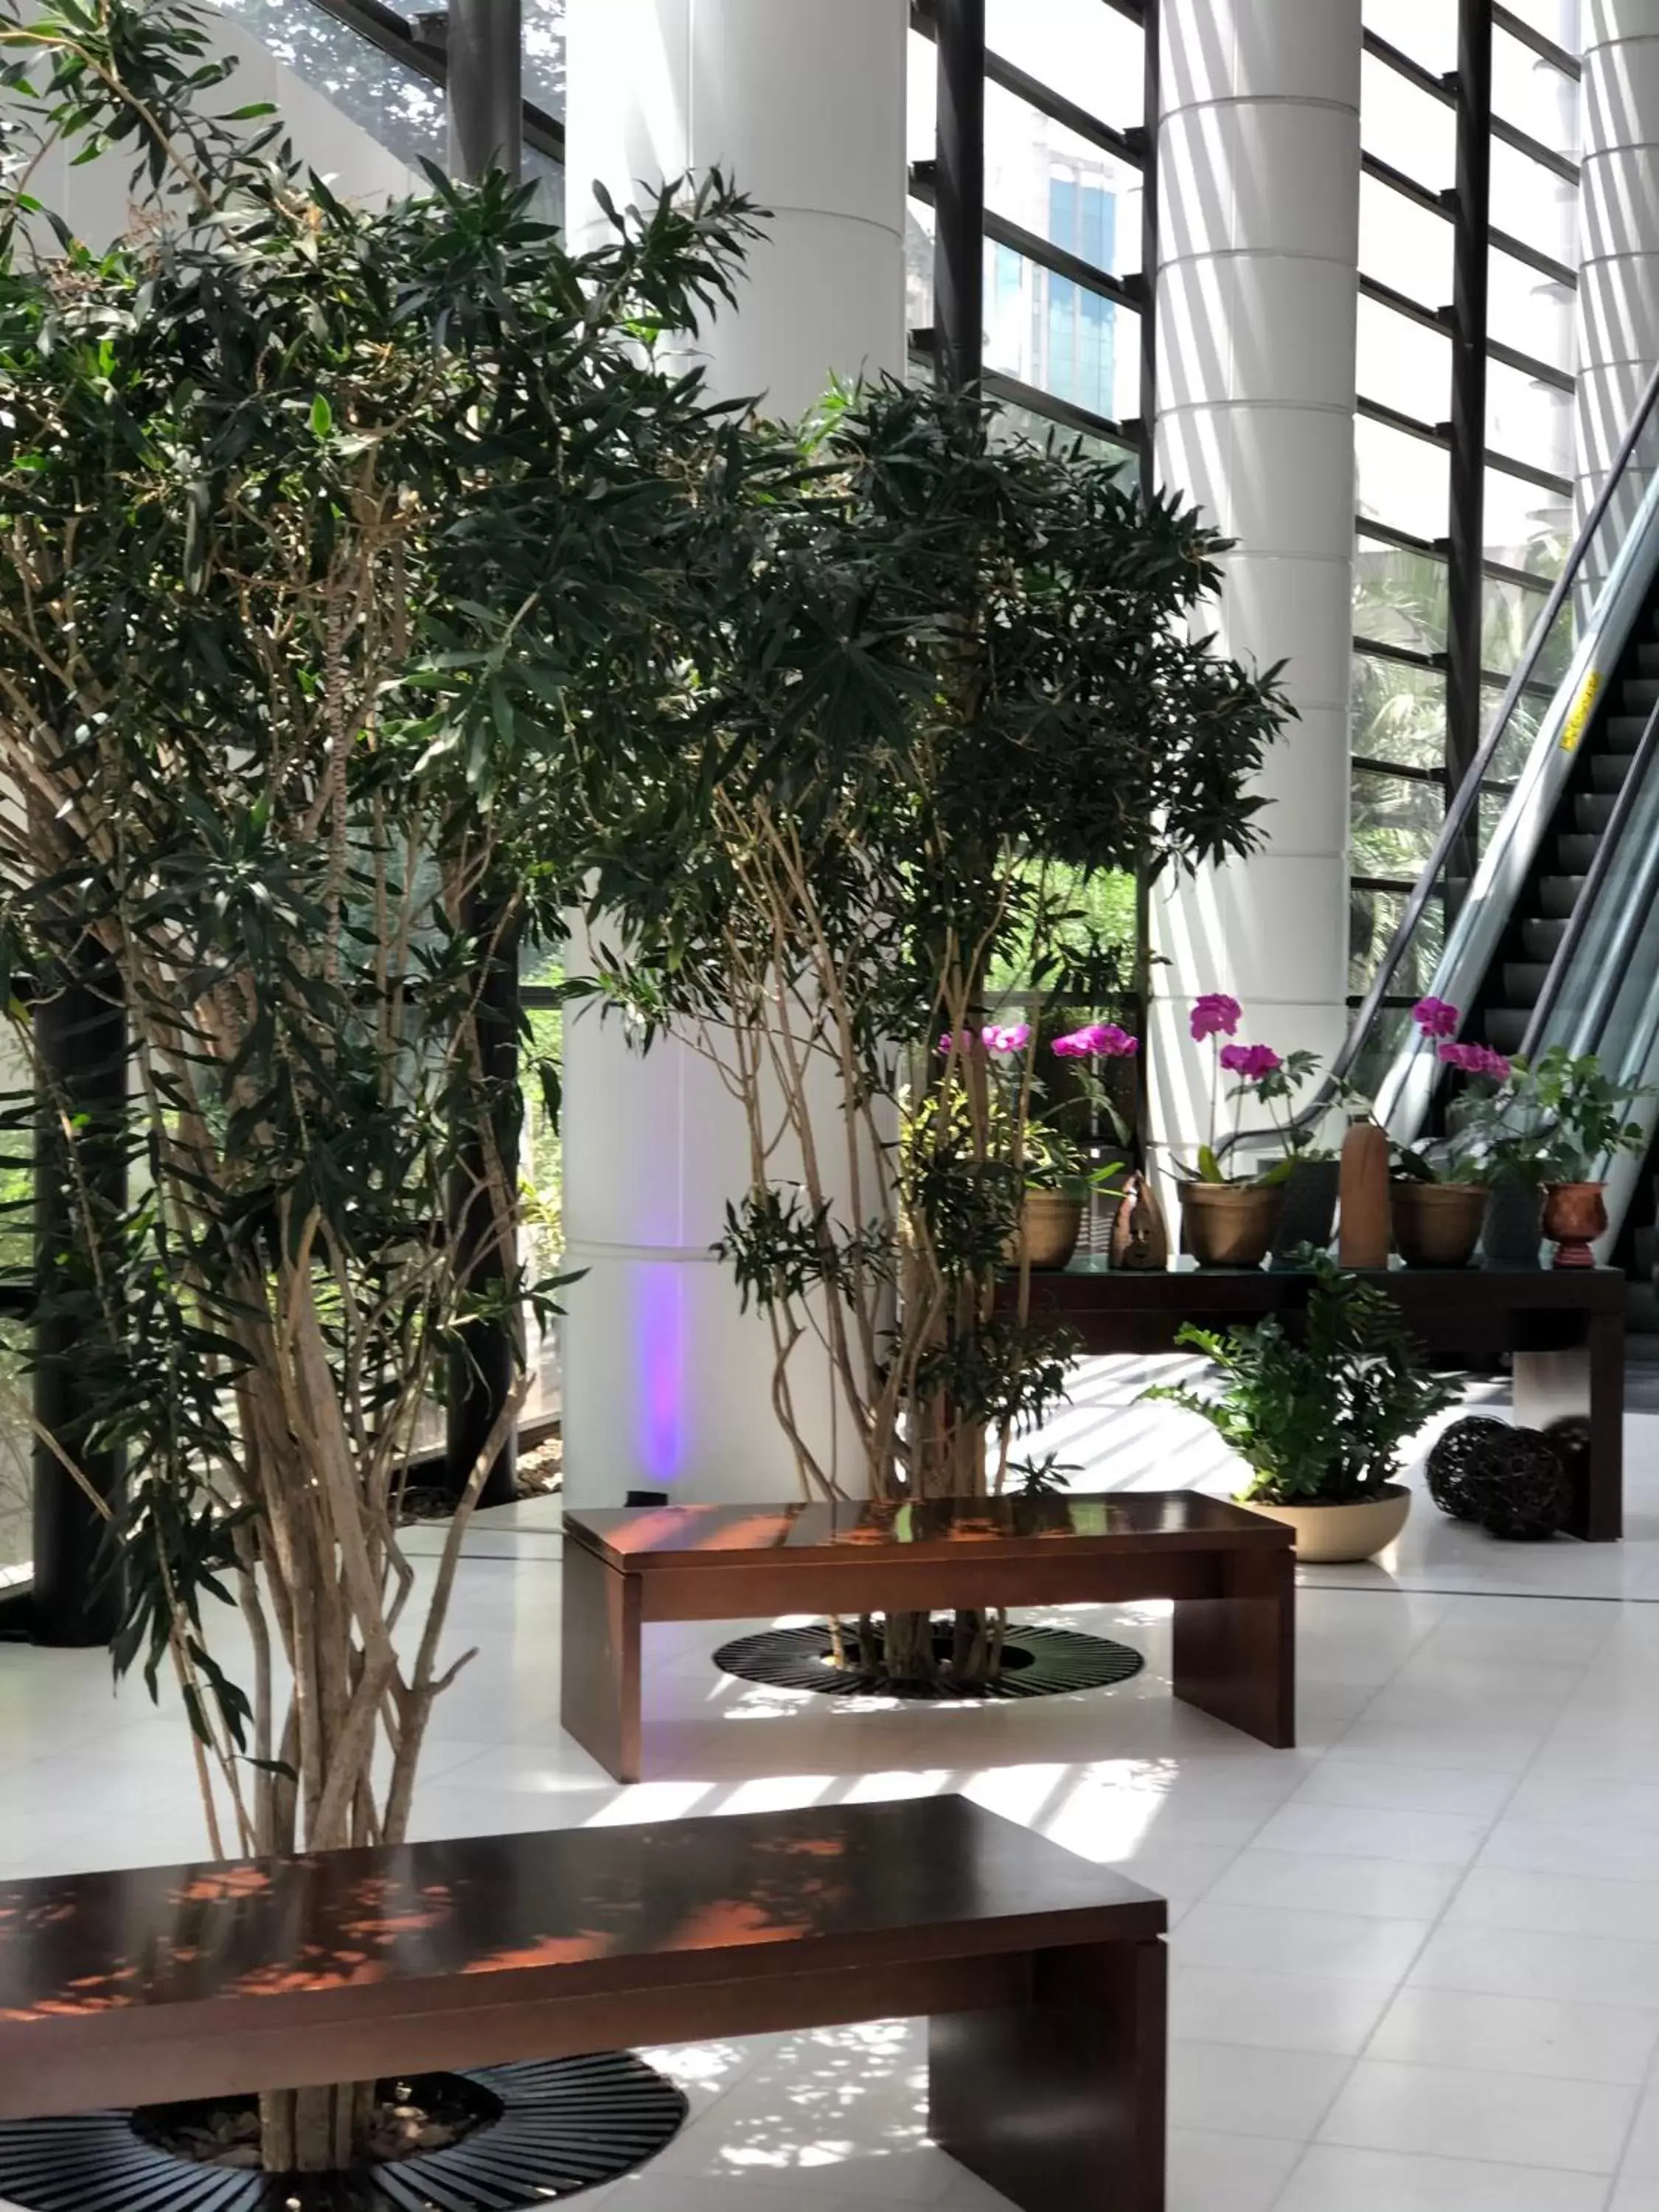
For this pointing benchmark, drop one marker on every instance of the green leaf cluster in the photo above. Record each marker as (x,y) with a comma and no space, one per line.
(1318,1411)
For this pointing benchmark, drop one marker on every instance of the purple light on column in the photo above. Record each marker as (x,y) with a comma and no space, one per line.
(660,1346)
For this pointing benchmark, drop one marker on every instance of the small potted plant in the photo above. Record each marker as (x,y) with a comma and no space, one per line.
(1439,1192)
(1585,1119)
(1056,1173)
(1231,1220)
(1319,1416)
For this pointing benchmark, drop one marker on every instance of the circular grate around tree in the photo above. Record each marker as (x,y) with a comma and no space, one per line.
(1036,1662)
(556,2126)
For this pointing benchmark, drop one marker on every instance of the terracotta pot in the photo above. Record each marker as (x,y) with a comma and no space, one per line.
(1049,1226)
(1229,1224)
(1437,1225)
(1575,1214)
(1330,1536)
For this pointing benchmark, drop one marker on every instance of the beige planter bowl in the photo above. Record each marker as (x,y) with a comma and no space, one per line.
(1437,1225)
(1049,1226)
(1331,1535)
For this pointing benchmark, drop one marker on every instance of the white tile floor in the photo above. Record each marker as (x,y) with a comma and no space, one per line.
(1416,1961)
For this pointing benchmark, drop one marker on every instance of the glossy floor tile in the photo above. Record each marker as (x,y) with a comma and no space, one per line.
(1415,1961)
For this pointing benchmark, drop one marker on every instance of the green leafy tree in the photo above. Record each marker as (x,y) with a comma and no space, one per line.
(950,692)
(325,530)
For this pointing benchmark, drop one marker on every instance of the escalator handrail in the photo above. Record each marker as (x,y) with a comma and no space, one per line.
(1465,805)
(1614,965)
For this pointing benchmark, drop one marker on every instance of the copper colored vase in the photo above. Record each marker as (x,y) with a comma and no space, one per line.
(1575,1215)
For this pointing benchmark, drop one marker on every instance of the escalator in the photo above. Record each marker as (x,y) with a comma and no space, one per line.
(1538,911)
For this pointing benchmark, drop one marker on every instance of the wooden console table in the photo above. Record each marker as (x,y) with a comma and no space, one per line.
(1232,1575)
(1041,1975)
(1563,1328)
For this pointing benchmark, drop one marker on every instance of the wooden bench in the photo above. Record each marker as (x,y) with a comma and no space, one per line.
(1041,1974)
(1230,1573)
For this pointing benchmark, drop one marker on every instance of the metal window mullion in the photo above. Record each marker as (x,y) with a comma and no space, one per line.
(1444,89)
(1503,242)
(1033,92)
(1406,656)
(1409,426)
(1505,19)
(958,193)
(1364,764)
(1560,164)
(1546,479)
(1401,303)
(1421,195)
(1527,364)
(393,34)
(1467,445)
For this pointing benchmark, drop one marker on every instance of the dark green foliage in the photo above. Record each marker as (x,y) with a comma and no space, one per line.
(1319,1413)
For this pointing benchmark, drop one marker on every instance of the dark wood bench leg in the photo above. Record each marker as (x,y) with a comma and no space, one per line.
(1582,1388)
(1059,2102)
(600,1693)
(1234,1652)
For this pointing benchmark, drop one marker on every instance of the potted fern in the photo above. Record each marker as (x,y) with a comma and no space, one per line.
(1319,1414)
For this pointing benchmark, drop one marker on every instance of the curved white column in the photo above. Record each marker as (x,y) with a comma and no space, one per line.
(1618,260)
(667,1385)
(1259,226)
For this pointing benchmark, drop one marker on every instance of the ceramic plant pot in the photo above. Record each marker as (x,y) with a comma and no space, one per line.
(1332,1535)
(1308,1216)
(1575,1215)
(1363,1230)
(1511,1234)
(1227,1224)
(1437,1225)
(1049,1226)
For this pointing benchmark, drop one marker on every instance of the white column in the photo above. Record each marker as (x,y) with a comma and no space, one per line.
(666,1383)
(1258,247)
(1619,255)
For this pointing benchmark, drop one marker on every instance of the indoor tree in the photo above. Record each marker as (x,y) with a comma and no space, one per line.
(950,689)
(323,525)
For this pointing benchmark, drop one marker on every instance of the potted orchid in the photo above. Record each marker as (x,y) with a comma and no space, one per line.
(1439,1192)
(1231,1220)
(1058,1175)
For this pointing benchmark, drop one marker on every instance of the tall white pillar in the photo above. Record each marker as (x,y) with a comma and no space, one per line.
(667,1385)
(1258,249)
(1618,256)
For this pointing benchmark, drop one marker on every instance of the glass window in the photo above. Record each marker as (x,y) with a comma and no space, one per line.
(1528,419)
(1524,525)
(1403,246)
(920,98)
(1397,713)
(1532,203)
(1555,19)
(1403,365)
(1509,614)
(1399,596)
(1091,53)
(1533,94)
(1409,130)
(1373,916)
(1402,479)
(1048,181)
(1529,310)
(1513,751)
(399,108)
(1425,30)
(1058,336)
(918,265)
(1396,819)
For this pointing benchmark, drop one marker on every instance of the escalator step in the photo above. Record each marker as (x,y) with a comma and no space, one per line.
(1645,1253)
(1593,810)
(1608,770)
(1541,940)
(1505,1027)
(1639,692)
(1523,980)
(1647,659)
(1624,732)
(1559,894)
(1574,851)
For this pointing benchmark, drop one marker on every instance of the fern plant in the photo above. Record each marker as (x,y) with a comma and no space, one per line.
(1319,1414)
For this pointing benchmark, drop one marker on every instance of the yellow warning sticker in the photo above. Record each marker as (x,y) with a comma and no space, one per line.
(1574,728)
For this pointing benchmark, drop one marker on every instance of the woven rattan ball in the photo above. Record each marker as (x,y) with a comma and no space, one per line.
(1457,1460)
(1520,1489)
